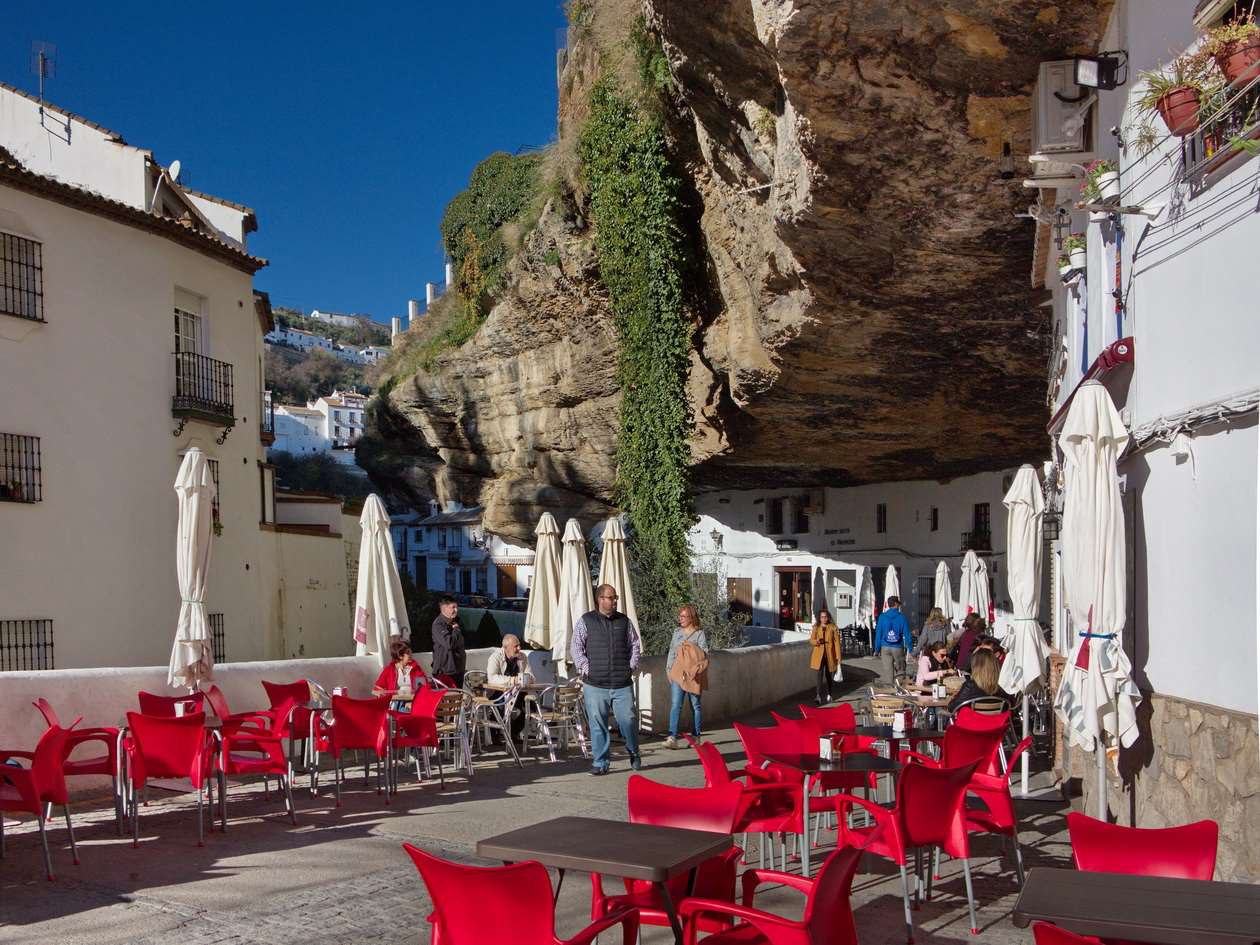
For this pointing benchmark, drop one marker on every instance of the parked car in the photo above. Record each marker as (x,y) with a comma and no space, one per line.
(518,604)
(472,600)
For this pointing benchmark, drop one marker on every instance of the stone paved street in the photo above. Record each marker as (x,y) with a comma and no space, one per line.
(340,876)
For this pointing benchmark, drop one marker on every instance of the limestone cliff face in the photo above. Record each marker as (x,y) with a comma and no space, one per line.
(869,314)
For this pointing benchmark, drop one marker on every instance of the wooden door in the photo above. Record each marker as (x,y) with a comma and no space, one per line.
(506,584)
(739,595)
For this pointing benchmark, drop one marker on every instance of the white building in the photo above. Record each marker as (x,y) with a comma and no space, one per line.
(299,430)
(128,313)
(349,354)
(341,415)
(450,551)
(374,353)
(336,318)
(297,338)
(1164,314)
(782,554)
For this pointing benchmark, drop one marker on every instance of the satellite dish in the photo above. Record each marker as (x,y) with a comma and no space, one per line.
(172,172)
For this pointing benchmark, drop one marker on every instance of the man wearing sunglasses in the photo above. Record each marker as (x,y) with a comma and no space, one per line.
(605,650)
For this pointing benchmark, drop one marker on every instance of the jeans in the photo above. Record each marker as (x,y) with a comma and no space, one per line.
(598,701)
(676,693)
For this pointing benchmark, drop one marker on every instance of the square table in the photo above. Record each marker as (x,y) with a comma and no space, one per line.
(612,848)
(814,764)
(1141,908)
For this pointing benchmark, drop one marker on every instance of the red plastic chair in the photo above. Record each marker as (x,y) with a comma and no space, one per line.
(828,918)
(417,728)
(1046,934)
(998,814)
(1185,852)
(164,706)
(106,764)
(248,747)
(473,905)
(358,724)
(218,702)
(158,747)
(35,789)
(982,721)
(963,746)
(839,718)
(928,813)
(713,810)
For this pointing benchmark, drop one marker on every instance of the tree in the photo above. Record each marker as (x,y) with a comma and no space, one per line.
(318,473)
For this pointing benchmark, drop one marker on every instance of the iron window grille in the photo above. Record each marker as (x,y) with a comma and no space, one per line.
(214,505)
(21,476)
(881,518)
(26,644)
(218,642)
(21,277)
(1222,134)
(268,415)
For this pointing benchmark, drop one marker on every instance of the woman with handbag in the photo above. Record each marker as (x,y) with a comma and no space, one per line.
(824,658)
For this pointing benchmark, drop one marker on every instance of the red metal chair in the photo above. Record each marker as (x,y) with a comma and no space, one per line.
(998,814)
(473,905)
(1185,852)
(35,789)
(712,809)
(164,706)
(417,728)
(928,813)
(158,747)
(828,918)
(358,724)
(248,747)
(1046,934)
(106,764)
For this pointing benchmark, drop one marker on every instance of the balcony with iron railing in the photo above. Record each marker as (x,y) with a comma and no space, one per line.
(203,391)
(1230,127)
(977,540)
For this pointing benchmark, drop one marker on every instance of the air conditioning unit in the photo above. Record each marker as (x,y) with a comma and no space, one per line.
(1061,111)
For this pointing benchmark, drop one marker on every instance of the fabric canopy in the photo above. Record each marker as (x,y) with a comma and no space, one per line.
(943,591)
(1097,696)
(380,610)
(614,568)
(192,656)
(576,596)
(892,584)
(973,586)
(866,603)
(544,591)
(1026,647)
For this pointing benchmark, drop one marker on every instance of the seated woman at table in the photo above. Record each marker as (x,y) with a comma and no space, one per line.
(933,664)
(983,681)
(402,672)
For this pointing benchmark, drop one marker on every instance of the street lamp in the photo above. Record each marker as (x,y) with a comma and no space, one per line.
(716,536)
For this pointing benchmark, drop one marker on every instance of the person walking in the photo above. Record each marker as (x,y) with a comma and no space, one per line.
(448,642)
(935,629)
(892,638)
(824,658)
(685,668)
(605,650)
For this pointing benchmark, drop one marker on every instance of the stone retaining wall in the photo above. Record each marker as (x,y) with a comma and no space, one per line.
(1193,762)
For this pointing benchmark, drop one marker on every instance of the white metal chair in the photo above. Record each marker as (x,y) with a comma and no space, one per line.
(559,708)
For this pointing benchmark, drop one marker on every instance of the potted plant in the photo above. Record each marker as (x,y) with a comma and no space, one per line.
(1176,92)
(1236,49)
(1074,246)
(1101,183)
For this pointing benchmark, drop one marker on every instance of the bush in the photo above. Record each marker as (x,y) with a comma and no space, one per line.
(318,473)
(296,377)
(487,632)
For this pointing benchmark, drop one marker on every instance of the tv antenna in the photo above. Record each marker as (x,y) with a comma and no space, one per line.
(44,66)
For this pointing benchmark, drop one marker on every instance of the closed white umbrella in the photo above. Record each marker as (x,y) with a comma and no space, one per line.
(973,586)
(866,603)
(1026,648)
(192,656)
(544,591)
(576,596)
(380,610)
(1097,696)
(943,591)
(614,568)
(892,584)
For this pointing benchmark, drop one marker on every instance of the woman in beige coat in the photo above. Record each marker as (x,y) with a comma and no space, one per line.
(824,638)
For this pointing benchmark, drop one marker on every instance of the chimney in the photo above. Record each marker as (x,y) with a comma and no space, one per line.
(395,327)
(450,273)
(430,294)
(413,313)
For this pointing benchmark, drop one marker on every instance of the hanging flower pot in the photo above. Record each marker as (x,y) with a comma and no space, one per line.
(1240,61)
(1108,184)
(1079,258)
(1179,107)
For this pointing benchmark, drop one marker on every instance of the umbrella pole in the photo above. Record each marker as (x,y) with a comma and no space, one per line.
(1023,761)
(1101,751)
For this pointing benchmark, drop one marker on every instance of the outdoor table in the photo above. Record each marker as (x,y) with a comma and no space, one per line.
(814,764)
(1141,908)
(612,848)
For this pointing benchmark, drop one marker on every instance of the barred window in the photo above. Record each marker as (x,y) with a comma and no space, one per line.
(214,506)
(218,643)
(21,478)
(26,644)
(21,277)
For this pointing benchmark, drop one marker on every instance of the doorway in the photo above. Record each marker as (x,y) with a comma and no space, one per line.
(796,599)
(506,581)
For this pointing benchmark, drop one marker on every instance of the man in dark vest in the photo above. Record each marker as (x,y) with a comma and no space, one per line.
(605,650)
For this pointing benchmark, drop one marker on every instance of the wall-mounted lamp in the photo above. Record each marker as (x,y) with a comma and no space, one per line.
(1102,71)
(717,539)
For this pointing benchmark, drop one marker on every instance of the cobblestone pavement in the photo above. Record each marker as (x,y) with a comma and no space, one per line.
(340,876)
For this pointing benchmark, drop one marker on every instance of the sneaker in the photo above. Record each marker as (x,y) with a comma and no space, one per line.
(636,762)
(596,772)
(671,742)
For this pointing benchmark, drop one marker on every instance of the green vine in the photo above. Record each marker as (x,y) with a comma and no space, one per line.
(634,198)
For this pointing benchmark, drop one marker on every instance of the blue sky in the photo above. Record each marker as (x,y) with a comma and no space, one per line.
(346,126)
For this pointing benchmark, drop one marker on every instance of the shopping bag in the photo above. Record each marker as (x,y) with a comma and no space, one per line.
(838,676)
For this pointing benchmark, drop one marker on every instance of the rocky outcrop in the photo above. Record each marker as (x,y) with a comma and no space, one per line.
(867,313)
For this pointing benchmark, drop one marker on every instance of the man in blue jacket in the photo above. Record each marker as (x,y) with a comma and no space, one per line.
(892,638)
